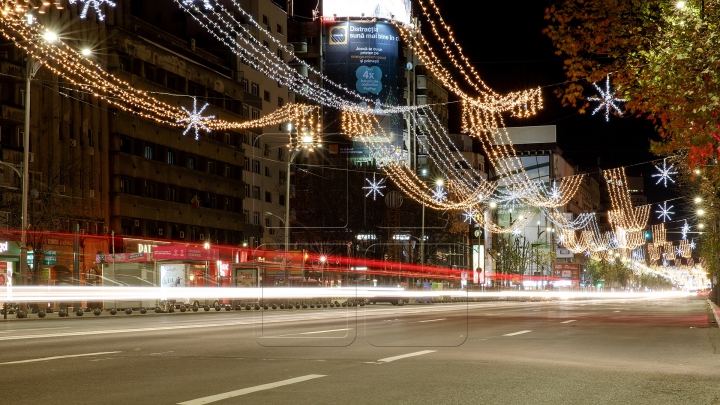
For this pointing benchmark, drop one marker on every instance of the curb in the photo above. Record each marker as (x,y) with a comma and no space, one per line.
(715,310)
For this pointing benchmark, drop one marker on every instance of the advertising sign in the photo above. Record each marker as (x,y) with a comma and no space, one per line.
(172,275)
(245,277)
(3,279)
(570,271)
(363,55)
(399,10)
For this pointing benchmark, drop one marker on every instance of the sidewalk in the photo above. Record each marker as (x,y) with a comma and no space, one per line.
(716,311)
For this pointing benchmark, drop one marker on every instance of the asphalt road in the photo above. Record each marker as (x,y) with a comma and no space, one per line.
(647,351)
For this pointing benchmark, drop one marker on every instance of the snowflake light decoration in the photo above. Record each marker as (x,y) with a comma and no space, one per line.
(516,232)
(555,192)
(96,5)
(374,187)
(587,253)
(607,100)
(439,194)
(678,251)
(468,216)
(665,211)
(692,244)
(195,120)
(684,230)
(664,173)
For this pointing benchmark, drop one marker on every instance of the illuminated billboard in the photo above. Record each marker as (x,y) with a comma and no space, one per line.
(400,9)
(363,56)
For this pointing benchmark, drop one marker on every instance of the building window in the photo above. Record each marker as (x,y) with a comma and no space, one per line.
(247,165)
(255,89)
(256,166)
(213,201)
(246,214)
(245,111)
(256,192)
(256,218)
(267,171)
(268,222)
(266,96)
(191,163)
(227,170)
(255,113)
(125,186)
(265,20)
(247,190)
(125,145)
(282,176)
(149,190)
(279,29)
(210,167)
(268,197)
(282,200)
(171,157)
(281,102)
(149,151)
(172,194)
(228,204)
(266,45)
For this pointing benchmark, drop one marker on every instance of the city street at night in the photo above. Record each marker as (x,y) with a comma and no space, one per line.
(624,350)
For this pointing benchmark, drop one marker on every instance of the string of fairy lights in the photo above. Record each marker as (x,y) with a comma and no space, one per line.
(515,191)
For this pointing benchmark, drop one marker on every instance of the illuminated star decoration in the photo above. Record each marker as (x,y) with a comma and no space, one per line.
(96,5)
(684,230)
(516,232)
(439,194)
(587,253)
(692,244)
(607,100)
(207,4)
(679,251)
(664,211)
(555,193)
(664,173)
(194,120)
(374,187)
(468,216)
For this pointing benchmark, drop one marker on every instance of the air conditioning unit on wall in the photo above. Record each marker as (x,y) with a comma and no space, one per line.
(160,231)
(137,222)
(182,235)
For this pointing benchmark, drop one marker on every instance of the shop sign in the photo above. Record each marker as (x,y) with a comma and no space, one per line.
(122,257)
(45,273)
(50,257)
(172,275)
(566,270)
(4,247)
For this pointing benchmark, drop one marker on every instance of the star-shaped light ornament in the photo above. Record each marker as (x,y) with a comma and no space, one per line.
(692,244)
(587,253)
(94,4)
(468,216)
(665,173)
(195,120)
(607,100)
(684,230)
(374,187)
(439,194)
(664,212)
(678,251)
(555,193)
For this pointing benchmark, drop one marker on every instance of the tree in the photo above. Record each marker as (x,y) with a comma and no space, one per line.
(664,59)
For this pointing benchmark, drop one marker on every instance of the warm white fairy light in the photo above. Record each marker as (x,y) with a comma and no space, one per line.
(95,4)
(665,173)
(664,212)
(607,100)
(375,187)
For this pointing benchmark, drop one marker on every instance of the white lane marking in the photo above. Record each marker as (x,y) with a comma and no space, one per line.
(159,353)
(312,333)
(23,330)
(58,357)
(250,390)
(617,311)
(433,320)
(402,356)
(518,333)
(572,320)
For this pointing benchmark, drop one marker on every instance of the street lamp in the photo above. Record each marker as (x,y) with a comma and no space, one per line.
(306,136)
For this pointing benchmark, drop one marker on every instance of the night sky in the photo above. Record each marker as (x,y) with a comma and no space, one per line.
(504,41)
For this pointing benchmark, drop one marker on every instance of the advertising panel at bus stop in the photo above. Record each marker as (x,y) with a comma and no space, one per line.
(567,271)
